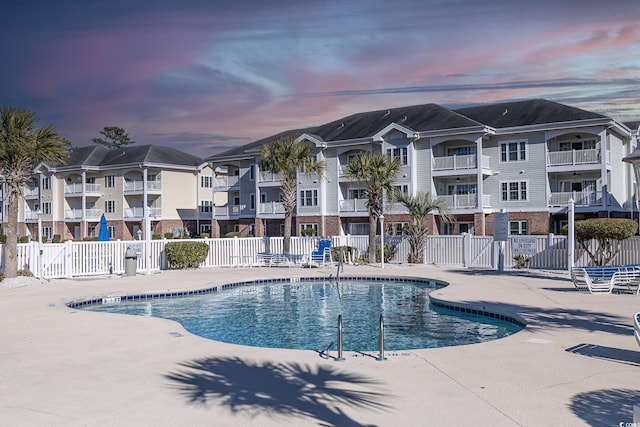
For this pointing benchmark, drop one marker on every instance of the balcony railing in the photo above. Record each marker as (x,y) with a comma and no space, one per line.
(31,192)
(77,213)
(31,215)
(228,210)
(271,208)
(226,181)
(266,176)
(580,198)
(573,157)
(353,205)
(468,161)
(138,212)
(78,188)
(138,186)
(461,201)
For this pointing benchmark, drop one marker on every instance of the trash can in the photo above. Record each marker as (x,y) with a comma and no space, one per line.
(130,262)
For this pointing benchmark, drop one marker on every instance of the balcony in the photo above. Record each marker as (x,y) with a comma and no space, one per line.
(77,189)
(465,201)
(353,205)
(227,211)
(270,177)
(30,216)
(31,193)
(573,157)
(137,186)
(580,198)
(76,214)
(271,208)
(225,181)
(138,212)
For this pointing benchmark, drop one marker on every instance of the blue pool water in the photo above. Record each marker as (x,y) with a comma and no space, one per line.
(304,315)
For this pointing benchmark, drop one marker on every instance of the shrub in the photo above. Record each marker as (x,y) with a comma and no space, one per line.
(3,239)
(608,232)
(204,235)
(348,253)
(156,236)
(23,239)
(25,272)
(1,276)
(168,235)
(56,238)
(186,254)
(308,232)
(90,239)
(232,234)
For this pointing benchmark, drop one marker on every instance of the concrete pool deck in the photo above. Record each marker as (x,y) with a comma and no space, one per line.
(68,367)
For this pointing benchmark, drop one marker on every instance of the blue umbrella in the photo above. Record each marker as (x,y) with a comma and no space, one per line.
(103,234)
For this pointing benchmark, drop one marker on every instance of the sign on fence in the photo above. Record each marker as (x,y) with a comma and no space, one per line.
(524,245)
(500,226)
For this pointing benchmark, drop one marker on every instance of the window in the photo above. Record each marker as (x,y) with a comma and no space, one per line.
(205,206)
(309,198)
(518,228)
(398,153)
(46,183)
(110,206)
(206,181)
(396,228)
(205,228)
(357,193)
(91,231)
(112,231)
(46,208)
(513,151)
(109,181)
(587,144)
(252,201)
(90,180)
(263,197)
(514,190)
(46,231)
(359,229)
(453,228)
(461,151)
(401,189)
(309,226)
(252,172)
(462,189)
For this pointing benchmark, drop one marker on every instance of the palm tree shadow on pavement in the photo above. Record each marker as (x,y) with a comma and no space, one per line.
(284,389)
(605,407)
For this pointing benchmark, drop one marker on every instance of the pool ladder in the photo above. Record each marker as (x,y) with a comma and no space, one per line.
(380,341)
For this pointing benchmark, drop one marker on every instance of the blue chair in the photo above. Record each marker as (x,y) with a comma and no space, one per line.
(323,253)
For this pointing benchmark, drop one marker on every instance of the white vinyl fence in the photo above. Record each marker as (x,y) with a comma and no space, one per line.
(76,259)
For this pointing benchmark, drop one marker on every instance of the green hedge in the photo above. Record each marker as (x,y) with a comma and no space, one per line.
(186,254)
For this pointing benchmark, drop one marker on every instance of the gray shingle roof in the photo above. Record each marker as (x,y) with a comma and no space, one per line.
(525,113)
(102,156)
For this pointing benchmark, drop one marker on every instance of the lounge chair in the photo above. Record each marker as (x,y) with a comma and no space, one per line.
(627,279)
(636,327)
(582,282)
(323,253)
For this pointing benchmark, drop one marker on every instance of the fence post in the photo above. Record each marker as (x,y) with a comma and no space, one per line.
(466,249)
(68,259)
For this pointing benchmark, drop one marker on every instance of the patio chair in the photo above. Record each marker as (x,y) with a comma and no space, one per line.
(636,327)
(582,281)
(628,279)
(323,253)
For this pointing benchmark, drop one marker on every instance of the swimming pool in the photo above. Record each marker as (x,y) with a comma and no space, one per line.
(303,314)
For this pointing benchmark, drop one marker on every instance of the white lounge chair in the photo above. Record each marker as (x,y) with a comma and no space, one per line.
(636,326)
(582,282)
(627,279)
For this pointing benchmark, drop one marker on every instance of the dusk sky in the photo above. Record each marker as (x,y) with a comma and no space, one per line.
(205,76)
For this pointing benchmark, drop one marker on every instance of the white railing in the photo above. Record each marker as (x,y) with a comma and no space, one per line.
(266,176)
(226,181)
(77,213)
(74,259)
(271,208)
(138,186)
(228,210)
(78,188)
(467,161)
(461,201)
(581,198)
(31,192)
(31,215)
(573,157)
(353,205)
(138,212)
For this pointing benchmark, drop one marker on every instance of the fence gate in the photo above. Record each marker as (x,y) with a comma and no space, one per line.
(480,251)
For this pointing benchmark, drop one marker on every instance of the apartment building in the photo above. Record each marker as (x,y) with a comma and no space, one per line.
(528,158)
(68,200)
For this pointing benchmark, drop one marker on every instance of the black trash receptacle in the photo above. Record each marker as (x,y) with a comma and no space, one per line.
(130,262)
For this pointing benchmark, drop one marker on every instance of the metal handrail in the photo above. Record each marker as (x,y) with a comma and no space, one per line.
(381,340)
(339,358)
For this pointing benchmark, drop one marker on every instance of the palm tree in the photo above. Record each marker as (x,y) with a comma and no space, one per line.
(22,147)
(377,173)
(287,156)
(417,231)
